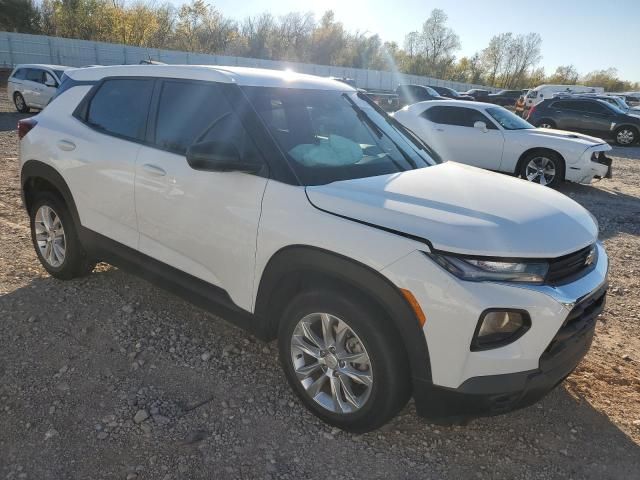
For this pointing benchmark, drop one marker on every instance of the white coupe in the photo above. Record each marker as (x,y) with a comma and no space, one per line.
(491,137)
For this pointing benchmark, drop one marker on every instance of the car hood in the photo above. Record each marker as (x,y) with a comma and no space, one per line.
(463,209)
(563,134)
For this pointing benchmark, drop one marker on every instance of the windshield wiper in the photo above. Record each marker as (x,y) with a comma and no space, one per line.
(362,115)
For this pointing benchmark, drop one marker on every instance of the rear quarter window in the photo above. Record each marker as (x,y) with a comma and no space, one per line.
(120,106)
(19,74)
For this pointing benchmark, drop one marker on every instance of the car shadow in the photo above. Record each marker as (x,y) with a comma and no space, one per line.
(9,120)
(601,201)
(82,324)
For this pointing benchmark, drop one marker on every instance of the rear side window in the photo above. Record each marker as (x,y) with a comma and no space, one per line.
(458,116)
(191,112)
(120,107)
(19,74)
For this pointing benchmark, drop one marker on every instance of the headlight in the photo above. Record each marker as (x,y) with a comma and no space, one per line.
(481,269)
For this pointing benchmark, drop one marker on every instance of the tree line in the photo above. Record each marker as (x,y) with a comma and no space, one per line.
(508,61)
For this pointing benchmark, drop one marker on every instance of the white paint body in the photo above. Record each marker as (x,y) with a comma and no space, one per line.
(223,227)
(36,94)
(500,149)
(542,92)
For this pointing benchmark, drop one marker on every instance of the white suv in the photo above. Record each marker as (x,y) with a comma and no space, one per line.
(293,206)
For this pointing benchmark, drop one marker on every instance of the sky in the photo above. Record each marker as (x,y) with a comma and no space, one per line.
(590,34)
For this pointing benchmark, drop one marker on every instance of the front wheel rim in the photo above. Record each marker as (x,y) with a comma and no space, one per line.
(50,236)
(625,137)
(331,363)
(540,170)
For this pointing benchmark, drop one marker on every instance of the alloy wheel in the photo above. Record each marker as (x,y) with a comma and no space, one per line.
(50,236)
(541,170)
(331,363)
(625,136)
(19,102)
(545,125)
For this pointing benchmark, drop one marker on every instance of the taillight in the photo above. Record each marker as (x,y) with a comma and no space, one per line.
(25,126)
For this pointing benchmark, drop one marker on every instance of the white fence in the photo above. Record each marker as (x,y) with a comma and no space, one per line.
(17,48)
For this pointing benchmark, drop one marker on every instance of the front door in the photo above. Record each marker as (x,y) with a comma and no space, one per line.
(203,223)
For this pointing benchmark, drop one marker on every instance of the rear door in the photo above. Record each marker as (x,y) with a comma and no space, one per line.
(567,114)
(102,151)
(455,137)
(32,86)
(203,223)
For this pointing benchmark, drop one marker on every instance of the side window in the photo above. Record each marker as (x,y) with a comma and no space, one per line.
(120,107)
(595,107)
(34,75)
(20,74)
(458,116)
(190,112)
(568,105)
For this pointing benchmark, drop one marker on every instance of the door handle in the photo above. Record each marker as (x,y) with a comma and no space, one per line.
(66,145)
(154,170)
(438,129)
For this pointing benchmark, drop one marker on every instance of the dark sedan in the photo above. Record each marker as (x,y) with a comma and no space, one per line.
(410,94)
(505,98)
(478,94)
(451,93)
(586,115)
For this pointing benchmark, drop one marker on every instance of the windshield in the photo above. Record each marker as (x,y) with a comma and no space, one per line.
(331,135)
(508,120)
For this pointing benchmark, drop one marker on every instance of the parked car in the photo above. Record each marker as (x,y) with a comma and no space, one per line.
(451,93)
(520,102)
(587,115)
(477,94)
(543,92)
(503,97)
(32,86)
(408,94)
(491,137)
(293,206)
(615,100)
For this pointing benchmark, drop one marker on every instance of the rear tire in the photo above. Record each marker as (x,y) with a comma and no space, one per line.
(626,136)
(19,102)
(55,238)
(543,167)
(373,389)
(545,123)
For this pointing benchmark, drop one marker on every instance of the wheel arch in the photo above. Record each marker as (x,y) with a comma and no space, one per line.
(530,151)
(297,267)
(37,176)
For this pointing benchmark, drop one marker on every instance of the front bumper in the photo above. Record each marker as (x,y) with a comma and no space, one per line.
(600,167)
(462,384)
(496,394)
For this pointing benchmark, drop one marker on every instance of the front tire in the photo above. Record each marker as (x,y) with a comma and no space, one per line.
(20,103)
(343,359)
(55,238)
(625,136)
(543,167)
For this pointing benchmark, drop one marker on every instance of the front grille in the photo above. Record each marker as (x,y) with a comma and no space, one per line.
(567,268)
(582,317)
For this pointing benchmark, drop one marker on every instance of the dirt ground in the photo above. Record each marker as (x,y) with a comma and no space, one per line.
(110,377)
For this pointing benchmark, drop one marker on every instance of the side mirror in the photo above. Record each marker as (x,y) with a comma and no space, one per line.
(480,126)
(215,156)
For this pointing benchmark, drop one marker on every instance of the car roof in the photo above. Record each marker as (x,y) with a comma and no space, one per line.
(255,77)
(43,65)
(449,103)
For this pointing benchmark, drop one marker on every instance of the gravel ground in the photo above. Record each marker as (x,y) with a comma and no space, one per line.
(110,377)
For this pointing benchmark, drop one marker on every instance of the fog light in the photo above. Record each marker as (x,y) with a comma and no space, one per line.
(497,328)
